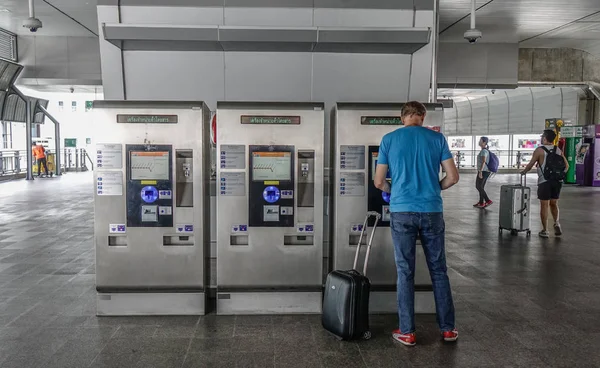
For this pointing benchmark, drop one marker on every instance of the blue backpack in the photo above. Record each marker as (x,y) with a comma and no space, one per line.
(493,162)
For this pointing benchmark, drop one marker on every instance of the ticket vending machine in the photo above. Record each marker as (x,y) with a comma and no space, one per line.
(357,132)
(151,178)
(270,207)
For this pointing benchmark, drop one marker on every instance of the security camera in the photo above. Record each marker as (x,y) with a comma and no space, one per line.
(472,35)
(493,91)
(32,23)
(72,89)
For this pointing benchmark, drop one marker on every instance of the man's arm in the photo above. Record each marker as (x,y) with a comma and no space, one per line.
(452,176)
(380,181)
(534,159)
(566,162)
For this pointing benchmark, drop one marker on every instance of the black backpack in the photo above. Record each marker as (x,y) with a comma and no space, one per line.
(554,165)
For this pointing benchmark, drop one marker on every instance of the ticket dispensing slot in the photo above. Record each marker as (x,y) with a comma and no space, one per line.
(117,240)
(149,186)
(298,240)
(271,197)
(178,241)
(238,240)
(184,178)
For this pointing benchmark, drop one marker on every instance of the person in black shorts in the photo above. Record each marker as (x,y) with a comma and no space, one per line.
(548,190)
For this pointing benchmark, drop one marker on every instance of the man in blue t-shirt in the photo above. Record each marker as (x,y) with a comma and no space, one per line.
(413,156)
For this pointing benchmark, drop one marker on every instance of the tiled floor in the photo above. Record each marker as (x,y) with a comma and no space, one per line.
(520,302)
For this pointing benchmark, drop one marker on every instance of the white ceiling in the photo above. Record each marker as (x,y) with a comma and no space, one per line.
(533,23)
(13,12)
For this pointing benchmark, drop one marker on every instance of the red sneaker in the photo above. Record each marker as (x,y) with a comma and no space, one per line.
(488,203)
(409,339)
(450,335)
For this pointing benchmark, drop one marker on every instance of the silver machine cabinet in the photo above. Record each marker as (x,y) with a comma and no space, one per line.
(357,132)
(151,178)
(270,207)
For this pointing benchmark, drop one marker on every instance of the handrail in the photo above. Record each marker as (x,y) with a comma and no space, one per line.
(14,162)
(89,159)
(509,159)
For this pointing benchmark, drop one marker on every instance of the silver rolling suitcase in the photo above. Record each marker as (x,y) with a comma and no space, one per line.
(515,207)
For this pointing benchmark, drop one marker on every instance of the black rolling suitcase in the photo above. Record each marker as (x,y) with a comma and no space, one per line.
(346,296)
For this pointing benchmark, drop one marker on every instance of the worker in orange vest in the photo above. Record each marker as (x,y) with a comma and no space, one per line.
(39,153)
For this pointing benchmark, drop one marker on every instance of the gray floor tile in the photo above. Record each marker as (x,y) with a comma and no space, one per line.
(520,302)
(296,358)
(209,360)
(254,360)
(160,361)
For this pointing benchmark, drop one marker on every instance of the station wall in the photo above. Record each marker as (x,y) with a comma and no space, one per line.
(276,76)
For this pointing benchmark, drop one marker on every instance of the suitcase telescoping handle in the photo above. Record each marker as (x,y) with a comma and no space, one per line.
(362,233)
(523,180)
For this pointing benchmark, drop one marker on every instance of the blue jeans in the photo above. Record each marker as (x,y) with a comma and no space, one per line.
(406,227)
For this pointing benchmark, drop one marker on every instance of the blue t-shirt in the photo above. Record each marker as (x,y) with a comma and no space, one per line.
(414,155)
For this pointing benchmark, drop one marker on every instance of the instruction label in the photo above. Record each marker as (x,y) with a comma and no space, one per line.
(184,229)
(109,156)
(109,183)
(232,184)
(352,184)
(117,229)
(352,157)
(233,156)
(239,228)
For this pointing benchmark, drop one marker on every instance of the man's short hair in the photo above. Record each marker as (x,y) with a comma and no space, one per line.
(549,134)
(413,108)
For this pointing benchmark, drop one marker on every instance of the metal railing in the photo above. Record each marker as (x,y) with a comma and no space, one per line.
(509,159)
(14,162)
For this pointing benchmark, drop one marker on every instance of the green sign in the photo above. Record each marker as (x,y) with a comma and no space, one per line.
(88,105)
(70,142)
(147,119)
(279,120)
(381,120)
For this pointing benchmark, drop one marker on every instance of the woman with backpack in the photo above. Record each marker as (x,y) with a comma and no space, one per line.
(483,173)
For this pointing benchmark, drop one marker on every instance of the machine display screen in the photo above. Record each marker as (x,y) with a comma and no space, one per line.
(150,165)
(374,165)
(271,166)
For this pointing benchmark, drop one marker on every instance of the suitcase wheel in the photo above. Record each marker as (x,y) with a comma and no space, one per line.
(514,232)
(367,335)
(528,233)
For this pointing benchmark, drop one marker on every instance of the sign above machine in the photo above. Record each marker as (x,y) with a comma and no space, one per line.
(381,120)
(147,119)
(280,120)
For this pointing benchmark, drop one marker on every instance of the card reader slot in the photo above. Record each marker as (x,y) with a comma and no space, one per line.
(353,240)
(298,240)
(117,241)
(237,240)
(178,241)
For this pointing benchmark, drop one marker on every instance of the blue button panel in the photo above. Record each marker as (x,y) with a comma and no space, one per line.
(149,194)
(271,194)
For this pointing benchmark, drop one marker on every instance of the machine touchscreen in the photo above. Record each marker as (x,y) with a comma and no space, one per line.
(271,166)
(149,165)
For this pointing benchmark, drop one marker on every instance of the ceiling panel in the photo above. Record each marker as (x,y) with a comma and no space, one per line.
(13,12)
(540,23)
